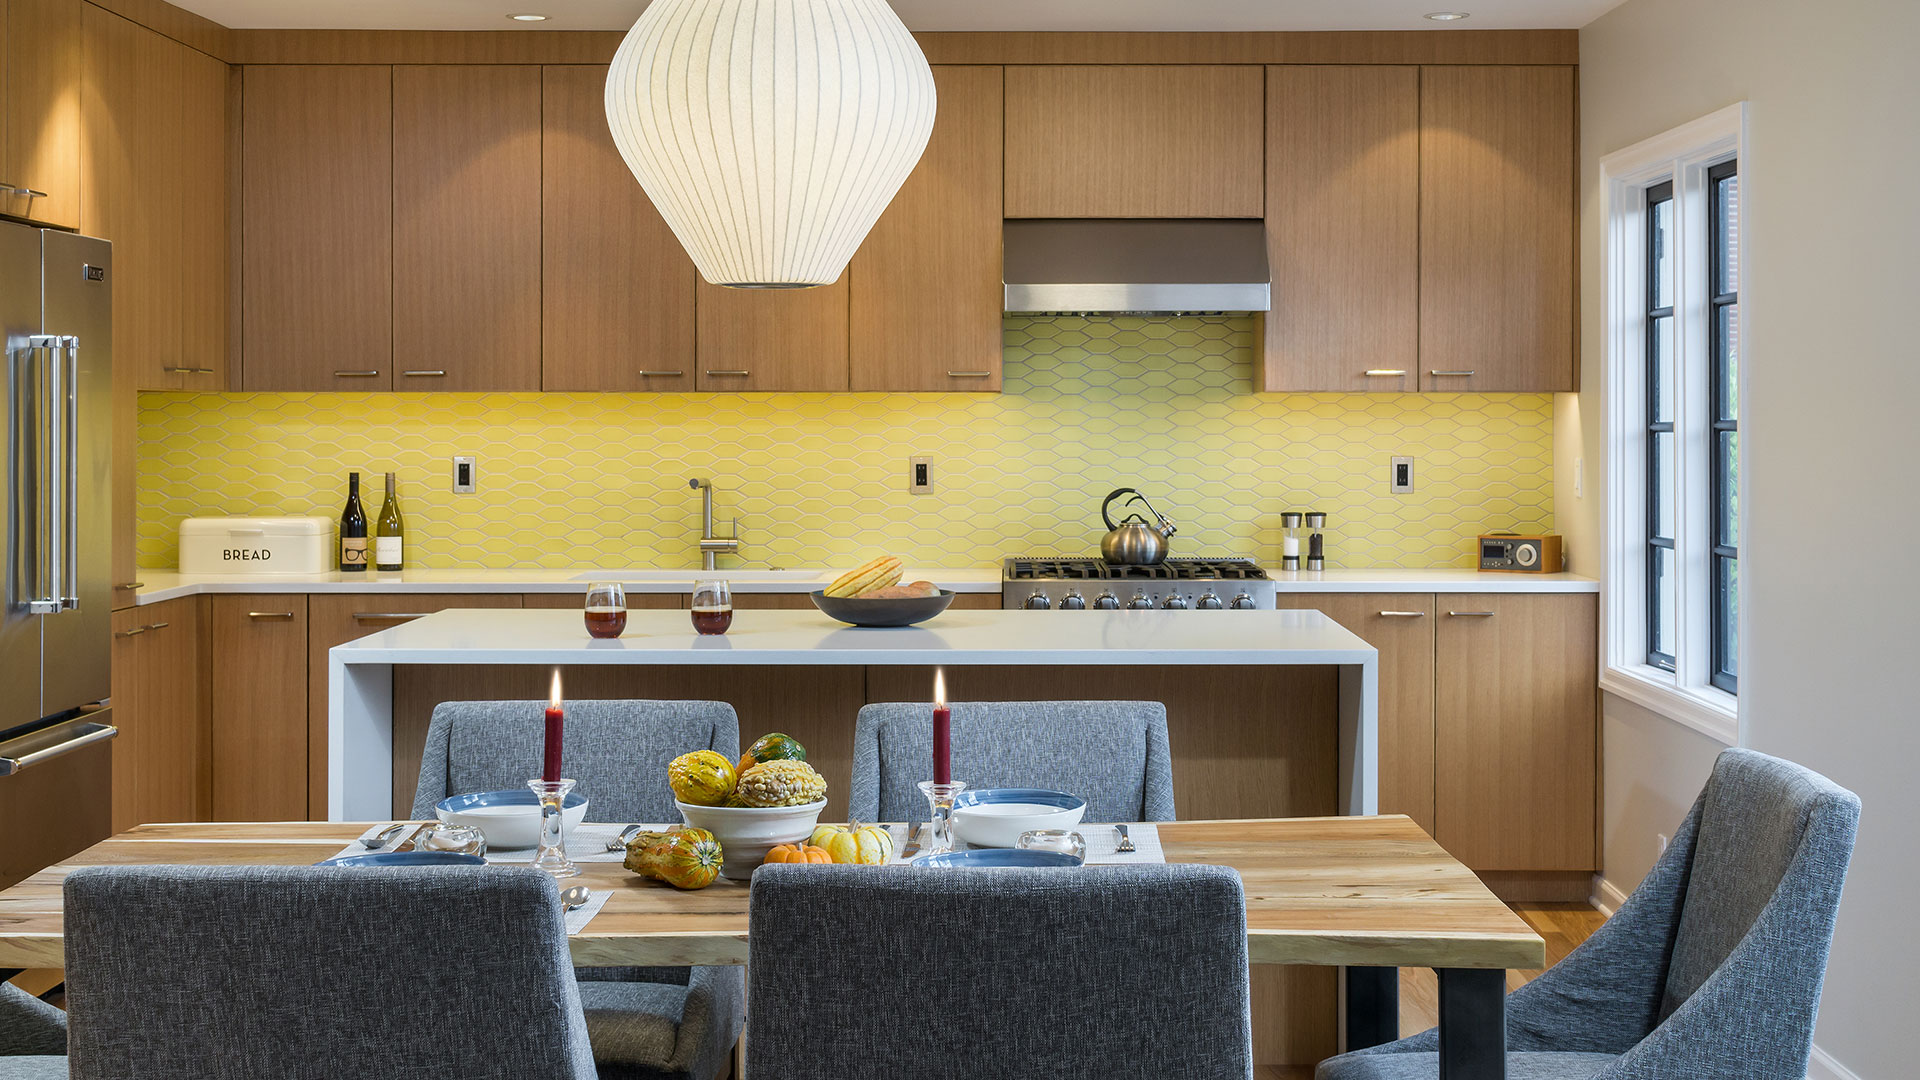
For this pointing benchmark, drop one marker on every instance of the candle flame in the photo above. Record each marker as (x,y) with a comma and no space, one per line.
(554,697)
(939,688)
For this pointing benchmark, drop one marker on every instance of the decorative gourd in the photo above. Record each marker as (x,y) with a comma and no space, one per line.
(683,858)
(774,747)
(703,778)
(862,845)
(781,783)
(798,853)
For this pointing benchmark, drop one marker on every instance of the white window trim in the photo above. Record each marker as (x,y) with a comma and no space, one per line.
(1682,155)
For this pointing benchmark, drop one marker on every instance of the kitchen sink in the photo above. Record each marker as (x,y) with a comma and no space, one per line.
(691,576)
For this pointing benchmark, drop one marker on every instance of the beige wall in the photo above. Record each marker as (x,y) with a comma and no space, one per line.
(1833,239)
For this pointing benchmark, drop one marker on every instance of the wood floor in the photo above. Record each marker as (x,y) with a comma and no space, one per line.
(1563,925)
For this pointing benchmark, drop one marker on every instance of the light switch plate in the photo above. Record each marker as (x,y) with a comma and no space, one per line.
(1400,479)
(463,475)
(920,475)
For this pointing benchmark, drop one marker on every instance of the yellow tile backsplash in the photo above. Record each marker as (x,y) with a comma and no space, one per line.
(1165,405)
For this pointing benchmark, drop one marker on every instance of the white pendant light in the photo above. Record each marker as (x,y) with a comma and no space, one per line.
(770,133)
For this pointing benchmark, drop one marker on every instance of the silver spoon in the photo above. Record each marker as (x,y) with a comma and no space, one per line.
(384,836)
(574,896)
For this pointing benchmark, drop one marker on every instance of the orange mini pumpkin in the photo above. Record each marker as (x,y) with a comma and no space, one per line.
(798,853)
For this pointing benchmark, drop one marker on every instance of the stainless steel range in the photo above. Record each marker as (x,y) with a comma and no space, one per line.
(1042,584)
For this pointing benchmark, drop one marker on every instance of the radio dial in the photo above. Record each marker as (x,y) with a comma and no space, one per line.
(1526,554)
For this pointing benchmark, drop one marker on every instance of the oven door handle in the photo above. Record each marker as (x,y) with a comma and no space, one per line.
(46,744)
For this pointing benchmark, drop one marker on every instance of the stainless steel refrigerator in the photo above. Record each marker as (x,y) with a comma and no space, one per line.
(56,315)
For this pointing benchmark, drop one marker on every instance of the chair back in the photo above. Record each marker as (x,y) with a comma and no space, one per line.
(1113,754)
(1774,838)
(29,1026)
(617,750)
(1099,971)
(223,973)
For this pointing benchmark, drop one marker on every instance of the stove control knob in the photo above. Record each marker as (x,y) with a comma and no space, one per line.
(1140,602)
(1106,601)
(1174,602)
(1243,602)
(1073,601)
(1208,602)
(1038,602)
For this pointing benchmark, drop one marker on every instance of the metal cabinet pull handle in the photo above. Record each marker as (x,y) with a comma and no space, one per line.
(132,585)
(969,374)
(132,632)
(188,370)
(425,374)
(1461,374)
(1471,614)
(735,373)
(1403,614)
(158,625)
(664,374)
(47,744)
(1383,373)
(380,616)
(355,374)
(24,192)
(269,614)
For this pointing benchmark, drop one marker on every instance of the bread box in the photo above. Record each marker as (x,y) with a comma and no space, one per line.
(261,546)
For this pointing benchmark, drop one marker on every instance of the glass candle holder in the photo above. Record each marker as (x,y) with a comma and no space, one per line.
(940,815)
(463,839)
(1064,841)
(552,856)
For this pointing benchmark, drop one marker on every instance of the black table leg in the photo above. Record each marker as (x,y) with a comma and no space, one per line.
(1373,1006)
(1473,1024)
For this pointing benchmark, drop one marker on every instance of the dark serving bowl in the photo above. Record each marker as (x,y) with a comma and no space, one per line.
(863,612)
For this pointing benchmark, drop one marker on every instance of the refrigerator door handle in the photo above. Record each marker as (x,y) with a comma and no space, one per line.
(37,382)
(69,463)
(56,509)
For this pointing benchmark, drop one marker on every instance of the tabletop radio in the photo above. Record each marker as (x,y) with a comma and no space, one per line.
(1521,554)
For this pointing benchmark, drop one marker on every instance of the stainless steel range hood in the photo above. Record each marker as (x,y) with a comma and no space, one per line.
(1158,267)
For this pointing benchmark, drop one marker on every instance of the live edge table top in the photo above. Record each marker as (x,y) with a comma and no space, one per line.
(1332,891)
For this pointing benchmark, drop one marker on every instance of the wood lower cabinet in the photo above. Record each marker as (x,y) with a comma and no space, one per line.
(1514,722)
(160,680)
(337,618)
(576,601)
(40,110)
(259,714)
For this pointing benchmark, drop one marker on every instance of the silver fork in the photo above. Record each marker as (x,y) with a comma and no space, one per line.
(1126,842)
(619,843)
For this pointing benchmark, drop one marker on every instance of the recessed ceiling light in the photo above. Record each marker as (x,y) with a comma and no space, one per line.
(528,18)
(1436,16)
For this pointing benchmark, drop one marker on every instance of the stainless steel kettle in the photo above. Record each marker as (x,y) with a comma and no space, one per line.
(1134,542)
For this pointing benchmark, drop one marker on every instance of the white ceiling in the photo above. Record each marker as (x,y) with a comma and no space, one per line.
(1132,15)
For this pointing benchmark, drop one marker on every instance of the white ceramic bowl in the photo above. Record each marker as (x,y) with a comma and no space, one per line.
(995,817)
(747,833)
(508,819)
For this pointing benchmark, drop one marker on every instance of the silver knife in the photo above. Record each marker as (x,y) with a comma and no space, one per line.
(913,839)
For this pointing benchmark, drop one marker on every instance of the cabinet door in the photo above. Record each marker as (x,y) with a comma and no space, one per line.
(1514,687)
(576,601)
(926,284)
(1343,225)
(617,288)
(466,227)
(1099,141)
(200,161)
(337,618)
(40,97)
(1400,626)
(317,227)
(128,716)
(259,707)
(773,339)
(160,757)
(1497,218)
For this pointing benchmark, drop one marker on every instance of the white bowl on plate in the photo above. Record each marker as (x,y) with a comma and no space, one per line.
(747,833)
(995,817)
(508,819)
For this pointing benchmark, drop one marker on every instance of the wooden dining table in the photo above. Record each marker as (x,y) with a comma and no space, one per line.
(1368,895)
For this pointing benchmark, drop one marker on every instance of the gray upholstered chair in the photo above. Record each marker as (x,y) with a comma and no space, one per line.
(1712,968)
(1111,753)
(224,973)
(617,750)
(1006,973)
(33,1037)
(651,1021)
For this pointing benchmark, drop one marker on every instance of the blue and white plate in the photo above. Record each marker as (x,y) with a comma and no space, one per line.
(408,858)
(508,819)
(995,817)
(995,859)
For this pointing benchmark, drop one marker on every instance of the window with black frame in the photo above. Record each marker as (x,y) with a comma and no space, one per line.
(1662,600)
(1723,401)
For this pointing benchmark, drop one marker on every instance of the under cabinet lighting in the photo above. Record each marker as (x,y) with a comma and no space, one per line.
(530,17)
(1447,16)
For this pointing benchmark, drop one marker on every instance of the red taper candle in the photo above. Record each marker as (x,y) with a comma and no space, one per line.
(942,731)
(556,719)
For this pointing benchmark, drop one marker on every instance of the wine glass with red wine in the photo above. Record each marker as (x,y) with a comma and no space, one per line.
(712,607)
(606,609)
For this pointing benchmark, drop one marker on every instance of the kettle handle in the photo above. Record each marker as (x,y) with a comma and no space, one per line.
(1114,494)
(1166,527)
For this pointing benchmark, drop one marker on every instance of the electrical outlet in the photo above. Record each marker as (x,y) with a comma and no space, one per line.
(1579,478)
(920,475)
(463,480)
(1401,480)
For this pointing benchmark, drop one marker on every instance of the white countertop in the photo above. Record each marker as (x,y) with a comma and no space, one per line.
(510,636)
(158,585)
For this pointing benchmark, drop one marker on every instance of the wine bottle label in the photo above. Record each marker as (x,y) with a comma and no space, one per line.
(386,550)
(353,551)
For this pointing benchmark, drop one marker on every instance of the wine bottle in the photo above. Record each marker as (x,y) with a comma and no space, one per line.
(353,530)
(389,535)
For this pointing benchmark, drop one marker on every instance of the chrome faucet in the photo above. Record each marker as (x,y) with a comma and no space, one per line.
(712,546)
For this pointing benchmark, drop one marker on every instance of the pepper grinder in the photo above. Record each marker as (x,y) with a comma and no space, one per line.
(1291,541)
(1316,541)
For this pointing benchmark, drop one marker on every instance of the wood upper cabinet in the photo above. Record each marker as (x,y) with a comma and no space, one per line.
(926,284)
(160,757)
(259,707)
(317,227)
(1093,141)
(1400,626)
(1514,719)
(466,227)
(203,249)
(40,110)
(1497,197)
(772,339)
(1343,229)
(617,289)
